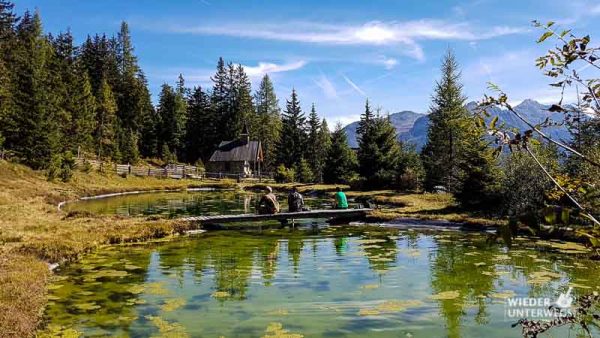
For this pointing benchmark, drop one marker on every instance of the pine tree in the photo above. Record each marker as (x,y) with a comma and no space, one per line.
(267,124)
(304,172)
(172,110)
(200,128)
(34,132)
(378,150)
(386,153)
(83,114)
(457,155)
(341,163)
(367,149)
(6,106)
(106,128)
(243,106)
(8,20)
(150,122)
(292,143)
(220,98)
(316,149)
(448,125)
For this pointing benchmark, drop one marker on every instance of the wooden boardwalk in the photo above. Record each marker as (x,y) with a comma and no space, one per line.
(332,213)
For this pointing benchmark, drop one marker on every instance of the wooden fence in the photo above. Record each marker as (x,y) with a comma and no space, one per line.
(170,171)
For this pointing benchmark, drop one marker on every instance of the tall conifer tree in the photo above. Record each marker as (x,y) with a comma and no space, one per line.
(291,145)
(341,162)
(447,128)
(200,128)
(105,135)
(35,134)
(267,124)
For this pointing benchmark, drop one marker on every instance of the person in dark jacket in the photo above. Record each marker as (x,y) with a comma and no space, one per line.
(268,203)
(295,201)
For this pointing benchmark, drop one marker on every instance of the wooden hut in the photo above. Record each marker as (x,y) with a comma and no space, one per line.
(241,157)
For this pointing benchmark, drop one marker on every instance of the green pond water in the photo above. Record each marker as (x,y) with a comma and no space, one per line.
(182,203)
(343,281)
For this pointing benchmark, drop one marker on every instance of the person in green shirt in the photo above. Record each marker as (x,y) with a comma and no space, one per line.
(341,202)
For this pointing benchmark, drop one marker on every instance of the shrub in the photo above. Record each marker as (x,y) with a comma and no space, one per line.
(303,172)
(284,175)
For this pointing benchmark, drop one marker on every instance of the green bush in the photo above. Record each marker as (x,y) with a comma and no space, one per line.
(303,172)
(61,166)
(284,175)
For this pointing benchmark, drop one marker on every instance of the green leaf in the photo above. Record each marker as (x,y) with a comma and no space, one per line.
(544,37)
(565,32)
(493,122)
(550,24)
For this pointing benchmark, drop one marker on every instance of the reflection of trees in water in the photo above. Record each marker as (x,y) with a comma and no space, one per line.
(382,254)
(294,246)
(452,269)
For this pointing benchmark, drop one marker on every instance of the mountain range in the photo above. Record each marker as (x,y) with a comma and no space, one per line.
(412,127)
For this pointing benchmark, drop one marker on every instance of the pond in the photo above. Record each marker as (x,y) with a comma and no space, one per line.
(345,281)
(181,203)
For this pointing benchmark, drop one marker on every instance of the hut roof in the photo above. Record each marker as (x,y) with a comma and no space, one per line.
(236,151)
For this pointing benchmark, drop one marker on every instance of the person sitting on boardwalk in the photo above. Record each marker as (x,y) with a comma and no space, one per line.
(268,203)
(341,202)
(295,201)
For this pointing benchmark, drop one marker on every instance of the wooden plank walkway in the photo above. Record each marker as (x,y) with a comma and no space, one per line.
(332,213)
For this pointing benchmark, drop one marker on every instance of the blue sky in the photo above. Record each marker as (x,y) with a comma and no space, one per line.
(335,53)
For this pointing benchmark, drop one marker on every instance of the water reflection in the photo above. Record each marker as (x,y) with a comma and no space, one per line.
(184,203)
(345,281)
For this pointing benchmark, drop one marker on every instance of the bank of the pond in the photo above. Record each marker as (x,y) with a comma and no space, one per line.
(33,233)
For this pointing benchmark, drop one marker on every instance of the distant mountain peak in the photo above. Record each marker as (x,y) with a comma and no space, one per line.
(412,127)
(531,104)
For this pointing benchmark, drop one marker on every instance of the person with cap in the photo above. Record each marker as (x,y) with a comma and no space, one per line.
(268,203)
(295,201)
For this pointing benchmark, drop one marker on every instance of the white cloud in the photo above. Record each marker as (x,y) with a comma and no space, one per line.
(354,86)
(328,88)
(405,34)
(270,68)
(388,62)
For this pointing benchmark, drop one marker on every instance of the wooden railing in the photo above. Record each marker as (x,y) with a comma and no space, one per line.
(171,171)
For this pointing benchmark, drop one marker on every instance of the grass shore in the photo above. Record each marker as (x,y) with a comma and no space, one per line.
(34,233)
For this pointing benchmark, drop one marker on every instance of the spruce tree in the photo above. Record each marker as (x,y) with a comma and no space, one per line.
(6,106)
(244,112)
(83,114)
(267,124)
(220,99)
(200,128)
(378,150)
(367,148)
(448,125)
(341,163)
(316,149)
(172,111)
(292,143)
(150,122)
(456,155)
(34,130)
(106,128)
(386,153)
